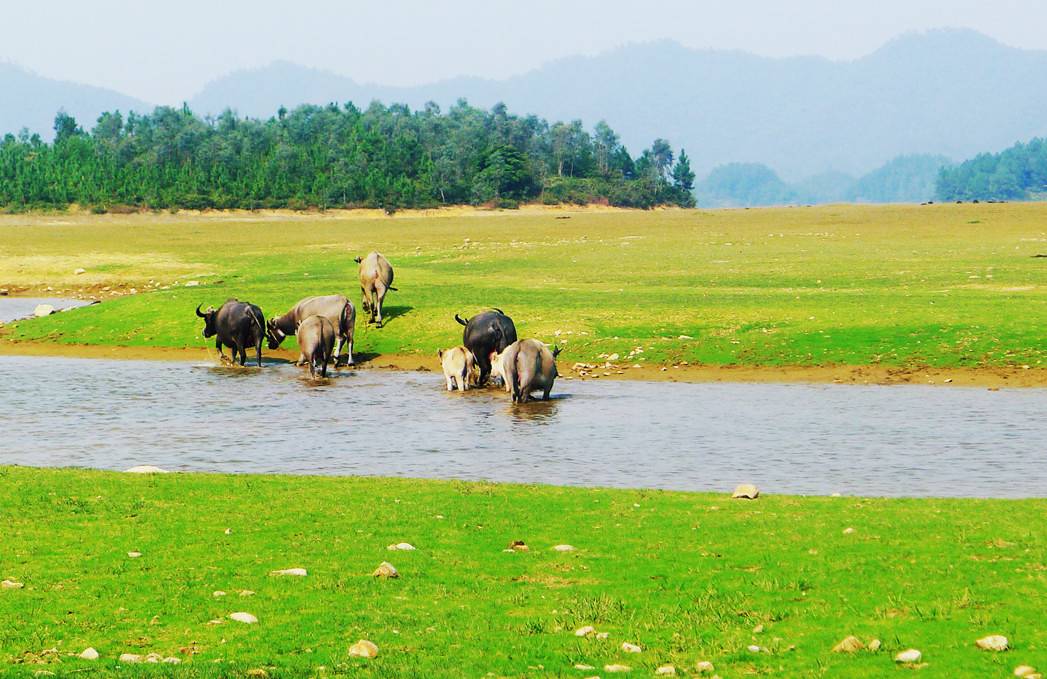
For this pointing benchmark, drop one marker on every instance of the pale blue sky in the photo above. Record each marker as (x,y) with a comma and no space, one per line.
(164,52)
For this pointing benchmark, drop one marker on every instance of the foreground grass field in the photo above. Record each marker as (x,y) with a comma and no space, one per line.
(687,577)
(942,285)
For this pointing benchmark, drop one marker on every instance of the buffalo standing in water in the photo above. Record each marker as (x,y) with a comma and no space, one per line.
(487,333)
(316,339)
(237,325)
(376,279)
(335,308)
(526,366)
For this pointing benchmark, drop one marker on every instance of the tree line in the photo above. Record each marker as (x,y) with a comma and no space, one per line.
(332,156)
(1017,173)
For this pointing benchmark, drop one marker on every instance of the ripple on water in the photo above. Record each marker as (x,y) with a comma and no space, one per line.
(805,439)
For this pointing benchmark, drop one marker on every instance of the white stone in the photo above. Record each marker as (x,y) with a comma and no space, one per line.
(1024,670)
(993,642)
(584,631)
(631,648)
(145,469)
(78,271)
(42,310)
(217,593)
(133,555)
(666,671)
(172,661)
(11,584)
(246,592)
(363,649)
(617,668)
(754,648)
(88,654)
(401,547)
(563,548)
(746,491)
(296,572)
(603,635)
(848,531)
(245,618)
(704,667)
(583,667)
(851,644)
(910,655)
(874,645)
(192,284)
(130,658)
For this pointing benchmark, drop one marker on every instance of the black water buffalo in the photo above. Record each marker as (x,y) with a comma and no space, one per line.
(237,325)
(316,339)
(335,308)
(376,279)
(487,333)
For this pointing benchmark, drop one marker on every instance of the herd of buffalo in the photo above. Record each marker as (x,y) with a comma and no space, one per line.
(489,343)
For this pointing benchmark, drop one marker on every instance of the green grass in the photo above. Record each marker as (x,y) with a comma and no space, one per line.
(944,285)
(686,576)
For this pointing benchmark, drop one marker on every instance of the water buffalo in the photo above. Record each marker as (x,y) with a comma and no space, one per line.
(487,333)
(526,366)
(376,279)
(316,339)
(458,367)
(237,325)
(335,308)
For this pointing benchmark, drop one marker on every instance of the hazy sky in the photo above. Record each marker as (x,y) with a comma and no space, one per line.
(165,52)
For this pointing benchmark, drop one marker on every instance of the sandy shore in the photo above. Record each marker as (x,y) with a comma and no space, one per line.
(993,378)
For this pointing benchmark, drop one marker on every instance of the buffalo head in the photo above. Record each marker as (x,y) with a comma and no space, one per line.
(273,334)
(208,316)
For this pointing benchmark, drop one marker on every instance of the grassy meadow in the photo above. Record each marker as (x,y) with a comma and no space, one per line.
(687,577)
(940,285)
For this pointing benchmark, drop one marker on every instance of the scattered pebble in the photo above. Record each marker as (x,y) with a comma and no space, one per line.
(631,648)
(217,593)
(133,555)
(851,644)
(993,642)
(1024,670)
(563,548)
(704,667)
(130,658)
(584,631)
(874,645)
(518,546)
(78,271)
(753,648)
(617,668)
(245,618)
(193,284)
(401,547)
(88,654)
(908,656)
(246,592)
(172,660)
(848,531)
(363,649)
(145,469)
(11,584)
(385,570)
(297,572)
(666,671)
(757,629)
(746,491)
(583,667)
(228,531)
(602,635)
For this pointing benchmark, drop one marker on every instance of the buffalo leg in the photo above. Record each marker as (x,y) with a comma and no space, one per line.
(450,382)
(366,297)
(218,346)
(380,291)
(258,352)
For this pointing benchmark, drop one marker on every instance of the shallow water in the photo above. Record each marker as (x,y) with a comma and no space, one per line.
(806,439)
(15,308)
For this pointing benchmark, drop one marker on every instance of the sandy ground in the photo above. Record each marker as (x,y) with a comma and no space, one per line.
(992,378)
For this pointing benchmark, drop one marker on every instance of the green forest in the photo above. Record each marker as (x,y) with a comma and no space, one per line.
(322,157)
(1017,173)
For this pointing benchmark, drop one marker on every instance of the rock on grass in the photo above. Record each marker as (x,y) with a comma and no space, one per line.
(246,618)
(11,584)
(401,547)
(666,671)
(563,548)
(88,654)
(617,668)
(631,648)
(1024,670)
(145,469)
(993,642)
(130,658)
(704,667)
(849,644)
(908,656)
(385,570)
(295,572)
(363,649)
(584,631)
(746,491)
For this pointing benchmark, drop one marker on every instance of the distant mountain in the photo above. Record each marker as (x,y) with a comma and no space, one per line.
(905,179)
(946,92)
(31,101)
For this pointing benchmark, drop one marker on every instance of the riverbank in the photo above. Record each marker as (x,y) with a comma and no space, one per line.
(133,564)
(897,293)
(990,378)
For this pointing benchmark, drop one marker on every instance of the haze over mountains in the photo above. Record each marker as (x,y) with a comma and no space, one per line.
(952,93)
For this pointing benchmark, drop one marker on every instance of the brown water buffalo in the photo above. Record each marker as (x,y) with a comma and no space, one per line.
(457,363)
(335,308)
(316,339)
(527,366)
(376,279)
(487,333)
(237,325)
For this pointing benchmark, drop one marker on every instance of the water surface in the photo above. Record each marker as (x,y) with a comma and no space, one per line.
(807,439)
(15,308)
